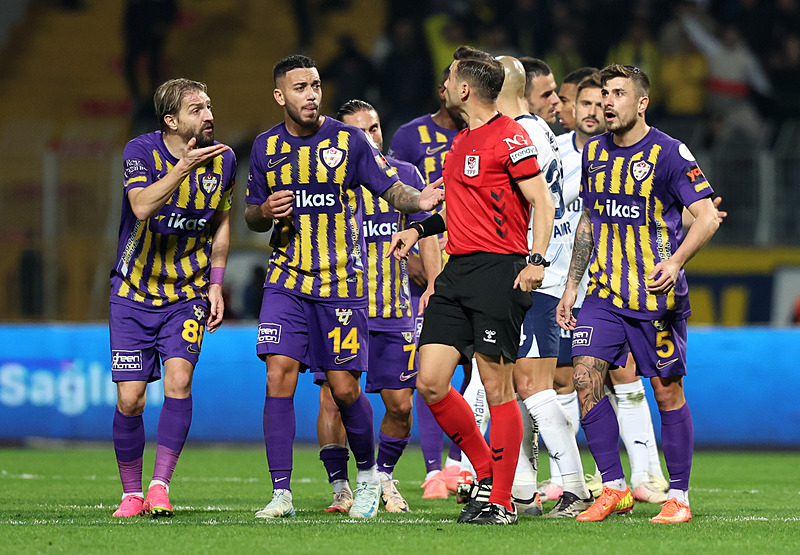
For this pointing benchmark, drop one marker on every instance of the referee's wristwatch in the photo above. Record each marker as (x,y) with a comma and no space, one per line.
(538,260)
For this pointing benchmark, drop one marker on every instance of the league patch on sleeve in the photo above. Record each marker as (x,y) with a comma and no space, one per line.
(384,165)
(694,173)
(523,154)
(134,166)
(685,153)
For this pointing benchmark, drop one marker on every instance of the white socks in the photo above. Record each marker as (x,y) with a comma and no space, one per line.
(570,403)
(155,482)
(558,434)
(525,476)
(636,430)
(680,495)
(369,475)
(339,485)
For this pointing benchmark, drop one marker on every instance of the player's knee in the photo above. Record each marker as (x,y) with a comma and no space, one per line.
(178,386)
(346,395)
(130,403)
(669,399)
(399,411)
(431,390)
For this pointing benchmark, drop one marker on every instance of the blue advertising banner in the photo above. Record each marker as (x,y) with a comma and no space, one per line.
(55,382)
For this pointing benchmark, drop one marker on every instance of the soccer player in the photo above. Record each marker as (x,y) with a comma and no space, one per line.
(306,175)
(627,389)
(166,284)
(424,142)
(392,348)
(540,89)
(566,97)
(635,181)
(531,85)
(491,177)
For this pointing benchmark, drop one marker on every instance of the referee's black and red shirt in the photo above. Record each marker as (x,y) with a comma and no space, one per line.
(486,210)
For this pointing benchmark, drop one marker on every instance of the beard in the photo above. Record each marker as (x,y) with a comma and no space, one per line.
(204,139)
(620,125)
(297,116)
(598,129)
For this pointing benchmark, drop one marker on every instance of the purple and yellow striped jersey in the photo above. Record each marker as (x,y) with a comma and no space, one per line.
(635,196)
(387,278)
(318,249)
(424,144)
(166,258)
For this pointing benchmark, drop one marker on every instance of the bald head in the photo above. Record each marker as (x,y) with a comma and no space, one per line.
(511,100)
(514,83)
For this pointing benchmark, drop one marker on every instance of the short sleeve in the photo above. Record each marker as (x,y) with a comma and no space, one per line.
(686,180)
(517,153)
(138,165)
(372,169)
(257,189)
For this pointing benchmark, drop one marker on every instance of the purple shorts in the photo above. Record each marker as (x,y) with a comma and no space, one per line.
(658,346)
(323,335)
(392,361)
(565,347)
(141,339)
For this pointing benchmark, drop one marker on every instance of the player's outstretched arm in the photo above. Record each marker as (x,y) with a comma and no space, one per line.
(408,200)
(259,217)
(220,247)
(687,219)
(706,222)
(146,201)
(404,240)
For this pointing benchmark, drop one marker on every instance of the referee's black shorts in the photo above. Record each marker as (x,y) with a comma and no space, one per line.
(475,307)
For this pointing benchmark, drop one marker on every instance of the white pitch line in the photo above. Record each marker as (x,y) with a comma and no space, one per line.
(94,478)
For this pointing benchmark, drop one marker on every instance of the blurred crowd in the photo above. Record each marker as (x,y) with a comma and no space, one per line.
(732,64)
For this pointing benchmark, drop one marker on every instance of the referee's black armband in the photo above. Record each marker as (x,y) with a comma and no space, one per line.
(432,225)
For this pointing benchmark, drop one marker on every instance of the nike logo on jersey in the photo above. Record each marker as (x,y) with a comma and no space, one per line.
(272,163)
(404,377)
(431,151)
(593,168)
(339,360)
(661,365)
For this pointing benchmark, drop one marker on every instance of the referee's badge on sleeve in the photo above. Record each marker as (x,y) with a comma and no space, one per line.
(472,165)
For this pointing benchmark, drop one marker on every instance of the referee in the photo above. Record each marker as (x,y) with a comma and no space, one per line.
(491,178)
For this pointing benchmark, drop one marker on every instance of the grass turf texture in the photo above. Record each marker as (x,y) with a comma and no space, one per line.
(61,500)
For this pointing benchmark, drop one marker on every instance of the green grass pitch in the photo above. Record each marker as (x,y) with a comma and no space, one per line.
(57,500)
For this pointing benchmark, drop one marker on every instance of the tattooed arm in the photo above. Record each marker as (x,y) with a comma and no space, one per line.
(581,252)
(407,199)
